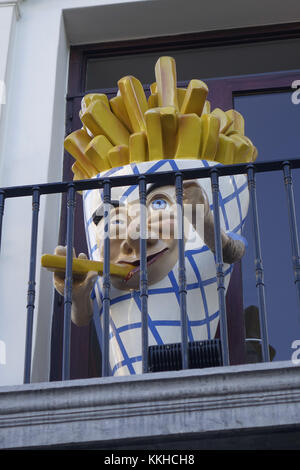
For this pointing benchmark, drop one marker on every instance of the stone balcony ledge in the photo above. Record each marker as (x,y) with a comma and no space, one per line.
(205,408)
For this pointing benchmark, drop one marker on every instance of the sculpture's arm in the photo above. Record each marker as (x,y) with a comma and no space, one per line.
(233,249)
(82,307)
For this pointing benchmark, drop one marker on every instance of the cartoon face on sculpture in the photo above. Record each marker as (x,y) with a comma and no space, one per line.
(125,234)
(174,129)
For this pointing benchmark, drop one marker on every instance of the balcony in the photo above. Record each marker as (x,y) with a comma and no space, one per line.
(250,406)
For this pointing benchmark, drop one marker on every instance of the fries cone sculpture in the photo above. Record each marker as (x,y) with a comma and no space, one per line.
(172,129)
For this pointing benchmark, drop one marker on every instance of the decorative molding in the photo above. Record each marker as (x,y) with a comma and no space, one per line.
(189,403)
(12,3)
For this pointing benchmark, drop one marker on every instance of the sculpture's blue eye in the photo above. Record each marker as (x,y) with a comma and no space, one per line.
(117,222)
(159,204)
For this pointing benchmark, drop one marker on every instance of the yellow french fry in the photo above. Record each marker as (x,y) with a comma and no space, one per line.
(76,143)
(210,127)
(135,101)
(153,88)
(254,154)
(225,120)
(97,151)
(226,150)
(90,97)
(206,108)
(243,149)
(165,74)
(168,119)
(118,155)
(154,134)
(195,98)
(188,136)
(79,173)
(56,263)
(118,108)
(238,122)
(153,101)
(138,148)
(180,96)
(101,121)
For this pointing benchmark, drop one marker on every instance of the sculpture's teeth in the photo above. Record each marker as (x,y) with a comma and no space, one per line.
(90,97)
(210,128)
(225,120)
(97,151)
(238,123)
(226,150)
(195,98)
(118,108)
(135,102)
(138,148)
(154,134)
(165,73)
(188,136)
(100,120)
(243,149)
(76,143)
(118,155)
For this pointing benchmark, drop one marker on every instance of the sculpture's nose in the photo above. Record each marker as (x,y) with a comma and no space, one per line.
(131,245)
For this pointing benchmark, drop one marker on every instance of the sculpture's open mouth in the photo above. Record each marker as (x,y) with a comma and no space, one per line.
(150,260)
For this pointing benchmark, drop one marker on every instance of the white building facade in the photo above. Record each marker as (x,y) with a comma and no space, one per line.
(35,40)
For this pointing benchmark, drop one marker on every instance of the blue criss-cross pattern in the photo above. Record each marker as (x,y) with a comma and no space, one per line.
(163,297)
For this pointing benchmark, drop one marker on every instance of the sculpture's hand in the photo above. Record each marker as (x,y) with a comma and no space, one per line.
(194,194)
(81,289)
(81,282)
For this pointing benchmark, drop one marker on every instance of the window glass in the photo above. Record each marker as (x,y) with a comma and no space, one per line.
(196,63)
(272,122)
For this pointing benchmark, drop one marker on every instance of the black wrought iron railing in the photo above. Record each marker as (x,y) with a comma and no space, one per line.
(175,178)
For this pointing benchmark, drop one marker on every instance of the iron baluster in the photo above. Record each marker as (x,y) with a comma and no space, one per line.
(288,182)
(143,272)
(31,284)
(219,266)
(259,269)
(181,271)
(106,278)
(68,283)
